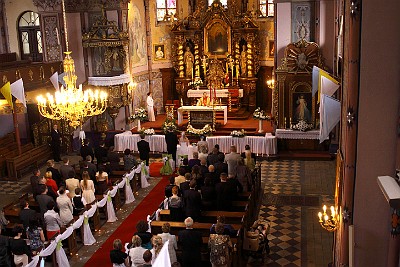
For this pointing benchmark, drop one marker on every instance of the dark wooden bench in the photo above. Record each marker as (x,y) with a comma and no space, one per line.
(211,216)
(31,157)
(204,228)
(10,150)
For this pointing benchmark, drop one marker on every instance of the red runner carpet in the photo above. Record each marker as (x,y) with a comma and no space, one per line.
(126,230)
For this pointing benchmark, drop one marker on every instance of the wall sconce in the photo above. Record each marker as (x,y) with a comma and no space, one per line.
(329,223)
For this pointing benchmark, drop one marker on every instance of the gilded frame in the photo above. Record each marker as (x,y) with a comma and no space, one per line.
(217,39)
(155,48)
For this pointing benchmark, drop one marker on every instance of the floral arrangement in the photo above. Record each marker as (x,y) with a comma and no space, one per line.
(169,125)
(259,114)
(149,131)
(206,129)
(302,126)
(237,133)
(140,114)
(197,82)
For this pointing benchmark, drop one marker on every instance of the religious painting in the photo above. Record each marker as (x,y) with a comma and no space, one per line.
(159,52)
(271,48)
(301,107)
(302,18)
(137,36)
(217,38)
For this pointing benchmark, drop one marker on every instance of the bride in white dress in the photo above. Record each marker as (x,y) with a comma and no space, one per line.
(184,146)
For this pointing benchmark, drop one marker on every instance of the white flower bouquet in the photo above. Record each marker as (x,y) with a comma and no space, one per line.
(259,114)
(237,133)
(149,131)
(140,114)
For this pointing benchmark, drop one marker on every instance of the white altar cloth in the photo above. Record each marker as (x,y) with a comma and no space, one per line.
(201,108)
(261,145)
(157,143)
(223,93)
(295,134)
(126,140)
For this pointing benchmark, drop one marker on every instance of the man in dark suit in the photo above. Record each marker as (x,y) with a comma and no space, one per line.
(86,150)
(91,168)
(56,143)
(113,158)
(192,201)
(35,181)
(43,199)
(66,168)
(26,214)
(144,149)
(191,241)
(186,184)
(172,141)
(225,193)
(100,152)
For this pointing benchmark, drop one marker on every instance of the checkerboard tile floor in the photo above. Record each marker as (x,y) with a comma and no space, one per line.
(12,187)
(281,178)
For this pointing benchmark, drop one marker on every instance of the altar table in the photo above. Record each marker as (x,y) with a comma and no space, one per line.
(261,145)
(201,108)
(223,93)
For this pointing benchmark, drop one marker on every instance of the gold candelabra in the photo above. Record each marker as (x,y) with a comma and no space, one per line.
(329,223)
(71,103)
(271,82)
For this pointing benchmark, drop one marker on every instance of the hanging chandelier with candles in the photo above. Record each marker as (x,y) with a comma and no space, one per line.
(329,223)
(71,103)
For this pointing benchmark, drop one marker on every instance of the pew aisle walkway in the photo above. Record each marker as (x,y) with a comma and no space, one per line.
(293,195)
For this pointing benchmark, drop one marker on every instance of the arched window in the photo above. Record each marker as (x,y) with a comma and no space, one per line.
(223,2)
(30,36)
(165,8)
(267,8)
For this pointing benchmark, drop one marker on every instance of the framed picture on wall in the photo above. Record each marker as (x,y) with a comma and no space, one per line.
(302,108)
(271,48)
(159,52)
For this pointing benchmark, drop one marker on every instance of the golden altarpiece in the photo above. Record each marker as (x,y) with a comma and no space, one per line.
(220,46)
(294,84)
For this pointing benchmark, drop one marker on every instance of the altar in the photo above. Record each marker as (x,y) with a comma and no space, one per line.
(220,93)
(192,109)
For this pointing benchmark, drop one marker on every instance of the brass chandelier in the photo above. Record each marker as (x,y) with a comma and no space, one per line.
(71,103)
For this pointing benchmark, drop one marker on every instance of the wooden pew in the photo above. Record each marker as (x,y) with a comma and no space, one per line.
(204,228)
(31,157)
(211,216)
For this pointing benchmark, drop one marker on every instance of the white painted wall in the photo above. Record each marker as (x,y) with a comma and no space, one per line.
(283,17)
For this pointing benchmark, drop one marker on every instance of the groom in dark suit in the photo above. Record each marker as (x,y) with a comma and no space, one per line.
(172,141)
(144,149)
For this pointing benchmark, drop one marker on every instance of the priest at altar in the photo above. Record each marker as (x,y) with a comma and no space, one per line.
(205,100)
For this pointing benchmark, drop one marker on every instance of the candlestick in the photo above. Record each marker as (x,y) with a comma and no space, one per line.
(285,122)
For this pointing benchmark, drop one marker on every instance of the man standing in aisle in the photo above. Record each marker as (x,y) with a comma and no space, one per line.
(172,141)
(144,149)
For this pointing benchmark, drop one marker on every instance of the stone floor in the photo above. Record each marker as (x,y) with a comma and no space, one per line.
(294,192)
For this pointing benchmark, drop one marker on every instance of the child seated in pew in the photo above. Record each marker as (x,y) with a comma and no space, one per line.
(77,202)
(228,229)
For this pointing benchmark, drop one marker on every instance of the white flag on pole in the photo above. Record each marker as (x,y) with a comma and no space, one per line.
(54,80)
(18,91)
(329,116)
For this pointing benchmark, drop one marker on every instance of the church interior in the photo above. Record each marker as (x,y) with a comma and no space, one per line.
(306,94)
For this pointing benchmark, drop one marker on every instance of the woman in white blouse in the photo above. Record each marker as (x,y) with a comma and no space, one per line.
(172,245)
(65,206)
(87,187)
(150,107)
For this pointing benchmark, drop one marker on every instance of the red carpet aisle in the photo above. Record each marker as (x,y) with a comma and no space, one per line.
(127,228)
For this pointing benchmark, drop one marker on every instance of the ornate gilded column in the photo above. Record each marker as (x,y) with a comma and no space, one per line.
(196,60)
(237,60)
(250,60)
(181,68)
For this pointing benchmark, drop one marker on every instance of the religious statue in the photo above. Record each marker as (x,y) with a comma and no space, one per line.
(204,100)
(243,61)
(188,59)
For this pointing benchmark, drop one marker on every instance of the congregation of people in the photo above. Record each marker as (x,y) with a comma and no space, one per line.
(209,181)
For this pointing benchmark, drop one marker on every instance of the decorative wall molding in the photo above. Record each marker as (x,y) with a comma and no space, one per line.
(47,5)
